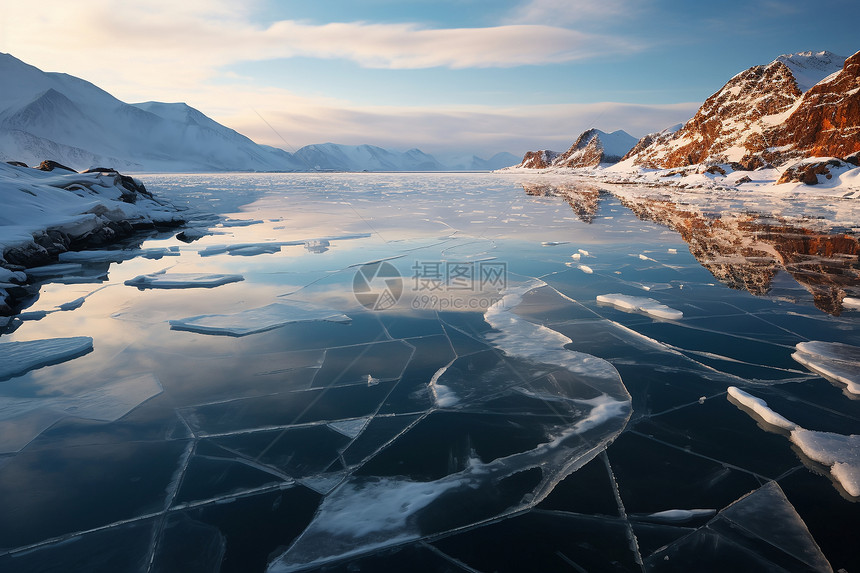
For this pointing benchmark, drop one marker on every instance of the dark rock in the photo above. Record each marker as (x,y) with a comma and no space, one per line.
(714,169)
(808,172)
(853,159)
(18,163)
(100,170)
(50,165)
(744,179)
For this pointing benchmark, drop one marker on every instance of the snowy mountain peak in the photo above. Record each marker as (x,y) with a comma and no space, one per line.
(809,68)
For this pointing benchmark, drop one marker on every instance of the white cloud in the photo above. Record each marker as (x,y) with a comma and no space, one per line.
(480,129)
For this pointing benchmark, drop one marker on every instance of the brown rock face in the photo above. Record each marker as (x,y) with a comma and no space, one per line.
(589,150)
(730,122)
(760,117)
(827,121)
(586,151)
(808,172)
(538,159)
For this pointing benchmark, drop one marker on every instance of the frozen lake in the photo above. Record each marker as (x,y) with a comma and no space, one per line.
(439,372)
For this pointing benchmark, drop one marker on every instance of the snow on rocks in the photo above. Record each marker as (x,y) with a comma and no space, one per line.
(644,305)
(258,319)
(50,212)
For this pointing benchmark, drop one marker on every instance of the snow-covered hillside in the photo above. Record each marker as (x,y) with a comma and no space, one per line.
(46,213)
(69,120)
(335,157)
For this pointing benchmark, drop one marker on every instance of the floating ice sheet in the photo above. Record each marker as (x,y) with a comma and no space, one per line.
(182,280)
(258,319)
(644,305)
(834,360)
(841,453)
(53,270)
(16,358)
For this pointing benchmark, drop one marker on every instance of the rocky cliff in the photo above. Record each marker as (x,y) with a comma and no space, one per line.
(590,149)
(798,106)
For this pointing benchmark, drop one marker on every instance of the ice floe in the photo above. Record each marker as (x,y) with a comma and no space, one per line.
(833,360)
(841,453)
(258,319)
(676,515)
(182,280)
(54,270)
(643,305)
(19,357)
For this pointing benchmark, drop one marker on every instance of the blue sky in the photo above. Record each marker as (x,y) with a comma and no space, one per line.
(459,76)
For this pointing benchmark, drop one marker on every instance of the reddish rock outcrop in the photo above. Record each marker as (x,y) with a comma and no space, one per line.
(538,159)
(586,151)
(590,149)
(761,117)
(827,121)
(729,124)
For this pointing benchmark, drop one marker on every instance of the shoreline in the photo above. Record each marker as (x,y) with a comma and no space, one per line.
(57,210)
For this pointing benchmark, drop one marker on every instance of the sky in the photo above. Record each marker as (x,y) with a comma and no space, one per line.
(445,76)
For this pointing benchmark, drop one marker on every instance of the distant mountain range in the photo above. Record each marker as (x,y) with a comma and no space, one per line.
(799,106)
(71,121)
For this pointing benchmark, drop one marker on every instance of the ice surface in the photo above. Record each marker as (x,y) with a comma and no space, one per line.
(841,453)
(834,360)
(762,531)
(350,428)
(182,280)
(258,319)
(647,306)
(368,512)
(519,337)
(22,419)
(16,358)
(114,400)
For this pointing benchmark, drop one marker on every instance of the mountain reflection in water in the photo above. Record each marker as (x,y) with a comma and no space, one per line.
(743,250)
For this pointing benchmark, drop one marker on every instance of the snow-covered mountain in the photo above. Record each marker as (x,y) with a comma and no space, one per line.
(799,105)
(475,163)
(69,120)
(590,149)
(335,157)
